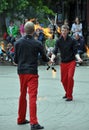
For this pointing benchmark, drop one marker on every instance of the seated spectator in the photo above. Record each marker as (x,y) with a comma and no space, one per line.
(1,51)
(77,27)
(66,22)
(21,28)
(5,36)
(1,54)
(10,53)
(12,31)
(49,45)
(80,44)
(40,35)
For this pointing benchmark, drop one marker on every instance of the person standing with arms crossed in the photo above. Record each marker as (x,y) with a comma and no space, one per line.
(26,58)
(69,54)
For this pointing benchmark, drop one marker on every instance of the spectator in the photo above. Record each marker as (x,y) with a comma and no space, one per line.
(10,53)
(77,27)
(5,36)
(80,45)
(2,48)
(66,22)
(49,45)
(12,31)
(39,33)
(80,42)
(21,29)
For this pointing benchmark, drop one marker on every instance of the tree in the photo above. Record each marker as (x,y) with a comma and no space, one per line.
(11,7)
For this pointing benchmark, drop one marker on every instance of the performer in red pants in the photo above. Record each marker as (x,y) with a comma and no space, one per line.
(67,78)
(26,58)
(69,53)
(28,82)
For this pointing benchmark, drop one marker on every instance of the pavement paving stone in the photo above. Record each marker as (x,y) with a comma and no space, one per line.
(54,113)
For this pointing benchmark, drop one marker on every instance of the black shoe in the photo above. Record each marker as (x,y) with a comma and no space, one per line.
(36,127)
(64,97)
(24,122)
(68,99)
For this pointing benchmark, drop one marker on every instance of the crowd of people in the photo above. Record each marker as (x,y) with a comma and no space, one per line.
(14,32)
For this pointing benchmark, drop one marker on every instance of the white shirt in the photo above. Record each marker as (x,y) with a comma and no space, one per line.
(10,27)
(77,28)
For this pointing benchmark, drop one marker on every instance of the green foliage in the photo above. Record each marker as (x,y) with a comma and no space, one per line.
(19,9)
(22,4)
(47,10)
(19,5)
(8,5)
(3,5)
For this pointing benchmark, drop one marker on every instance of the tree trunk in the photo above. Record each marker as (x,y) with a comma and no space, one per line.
(2,24)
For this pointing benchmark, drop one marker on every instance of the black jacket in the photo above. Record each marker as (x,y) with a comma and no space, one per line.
(26,54)
(68,48)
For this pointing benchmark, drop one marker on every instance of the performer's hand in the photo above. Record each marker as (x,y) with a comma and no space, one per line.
(52,58)
(78,58)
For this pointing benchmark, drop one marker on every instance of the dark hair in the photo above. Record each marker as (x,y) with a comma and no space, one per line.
(77,18)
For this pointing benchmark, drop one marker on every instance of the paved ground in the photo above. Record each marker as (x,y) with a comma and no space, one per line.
(53,111)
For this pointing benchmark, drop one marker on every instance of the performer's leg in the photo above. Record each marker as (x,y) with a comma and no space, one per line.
(70,86)
(32,91)
(22,99)
(64,76)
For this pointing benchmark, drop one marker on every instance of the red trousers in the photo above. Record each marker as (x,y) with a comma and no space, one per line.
(67,74)
(28,82)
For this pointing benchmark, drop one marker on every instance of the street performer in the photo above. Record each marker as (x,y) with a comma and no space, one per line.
(69,53)
(26,58)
